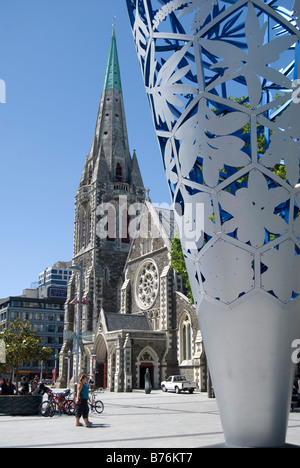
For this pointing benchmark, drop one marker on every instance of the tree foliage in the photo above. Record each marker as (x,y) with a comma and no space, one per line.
(22,345)
(178,264)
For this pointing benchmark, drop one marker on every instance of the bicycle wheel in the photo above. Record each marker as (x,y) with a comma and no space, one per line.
(70,407)
(99,406)
(47,408)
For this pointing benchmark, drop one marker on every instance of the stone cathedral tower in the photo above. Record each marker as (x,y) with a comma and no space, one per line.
(111,182)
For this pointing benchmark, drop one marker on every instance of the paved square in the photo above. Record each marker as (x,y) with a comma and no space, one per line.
(131,420)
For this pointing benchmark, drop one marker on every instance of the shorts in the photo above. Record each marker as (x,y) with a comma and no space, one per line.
(82,409)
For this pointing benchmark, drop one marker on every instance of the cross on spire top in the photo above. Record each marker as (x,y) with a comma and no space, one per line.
(114,24)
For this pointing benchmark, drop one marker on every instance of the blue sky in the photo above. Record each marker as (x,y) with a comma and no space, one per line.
(53,56)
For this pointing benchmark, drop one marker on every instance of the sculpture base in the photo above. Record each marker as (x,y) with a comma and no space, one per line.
(20,405)
(249,352)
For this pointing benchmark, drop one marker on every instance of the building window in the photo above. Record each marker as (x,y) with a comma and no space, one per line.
(147,285)
(85,228)
(90,228)
(90,175)
(146,246)
(125,227)
(111,223)
(106,275)
(81,233)
(119,173)
(185,339)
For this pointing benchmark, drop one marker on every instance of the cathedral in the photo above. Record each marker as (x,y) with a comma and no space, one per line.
(126,310)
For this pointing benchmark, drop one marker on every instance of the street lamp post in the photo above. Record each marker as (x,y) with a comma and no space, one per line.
(41,371)
(55,370)
(68,371)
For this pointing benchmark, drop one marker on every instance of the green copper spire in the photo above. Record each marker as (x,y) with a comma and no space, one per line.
(113,76)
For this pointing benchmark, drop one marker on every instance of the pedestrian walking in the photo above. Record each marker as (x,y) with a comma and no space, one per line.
(24,386)
(82,402)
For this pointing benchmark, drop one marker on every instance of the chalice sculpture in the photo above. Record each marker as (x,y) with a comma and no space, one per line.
(222,80)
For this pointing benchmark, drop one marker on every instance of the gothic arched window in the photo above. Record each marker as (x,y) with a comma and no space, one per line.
(119,173)
(82,229)
(85,228)
(125,227)
(185,338)
(89,220)
(90,175)
(106,275)
(111,222)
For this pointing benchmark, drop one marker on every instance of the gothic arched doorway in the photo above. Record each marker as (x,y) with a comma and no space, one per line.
(143,367)
(147,359)
(101,362)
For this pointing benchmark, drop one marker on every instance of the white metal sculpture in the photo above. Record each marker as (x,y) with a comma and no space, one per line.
(222,79)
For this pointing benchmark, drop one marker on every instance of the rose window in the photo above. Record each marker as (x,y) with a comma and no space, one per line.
(147,285)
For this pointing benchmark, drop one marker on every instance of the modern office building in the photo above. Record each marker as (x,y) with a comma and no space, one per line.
(43,307)
(46,316)
(53,281)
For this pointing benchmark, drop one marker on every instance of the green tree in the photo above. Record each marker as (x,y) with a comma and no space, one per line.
(178,264)
(22,345)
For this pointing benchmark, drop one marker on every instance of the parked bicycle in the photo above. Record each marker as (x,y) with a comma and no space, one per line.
(95,405)
(58,403)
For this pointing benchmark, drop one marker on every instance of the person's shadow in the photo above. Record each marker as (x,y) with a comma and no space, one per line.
(98,425)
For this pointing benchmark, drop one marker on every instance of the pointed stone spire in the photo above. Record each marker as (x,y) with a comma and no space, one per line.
(111,138)
(136,177)
(113,77)
(101,172)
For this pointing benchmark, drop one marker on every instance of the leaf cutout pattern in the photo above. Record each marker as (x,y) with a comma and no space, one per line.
(285,144)
(166,88)
(282,284)
(227,271)
(236,62)
(140,32)
(259,202)
(206,136)
(204,8)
